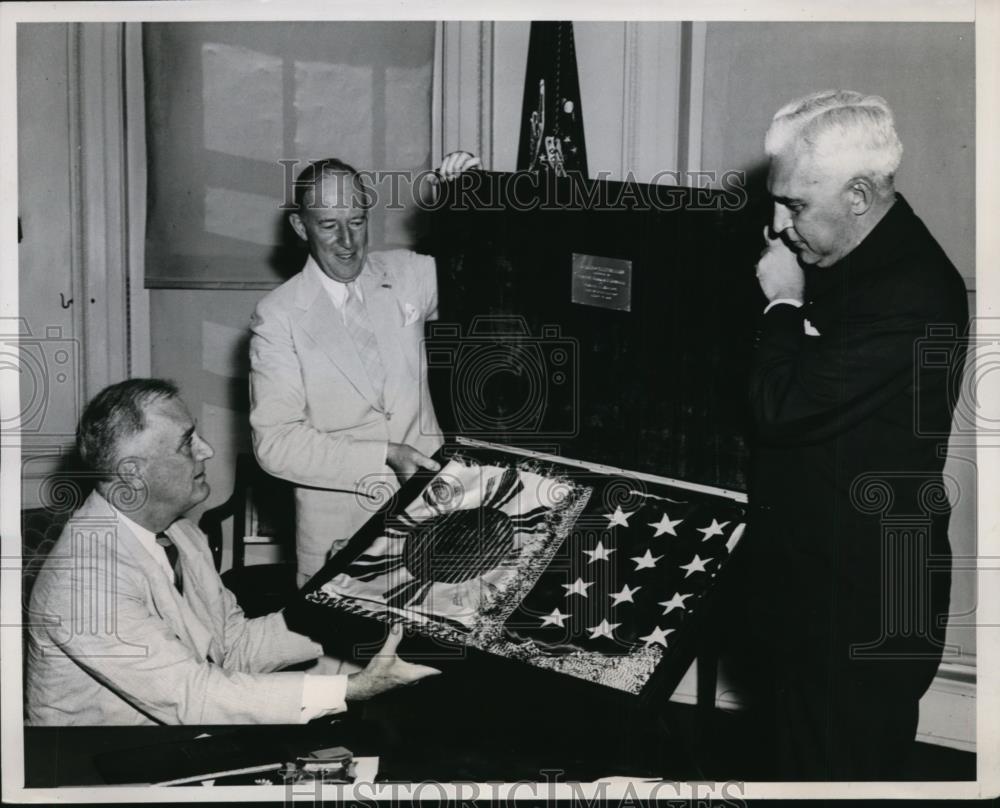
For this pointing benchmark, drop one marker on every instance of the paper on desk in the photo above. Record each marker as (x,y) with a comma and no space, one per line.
(365,769)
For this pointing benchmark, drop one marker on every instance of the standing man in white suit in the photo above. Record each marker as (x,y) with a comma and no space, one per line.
(339,402)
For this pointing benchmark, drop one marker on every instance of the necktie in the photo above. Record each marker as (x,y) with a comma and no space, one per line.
(360,328)
(170,549)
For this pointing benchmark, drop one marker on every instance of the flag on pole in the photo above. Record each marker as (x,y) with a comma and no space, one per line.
(552,138)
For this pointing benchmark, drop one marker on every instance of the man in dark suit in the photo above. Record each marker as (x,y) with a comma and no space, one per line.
(849,519)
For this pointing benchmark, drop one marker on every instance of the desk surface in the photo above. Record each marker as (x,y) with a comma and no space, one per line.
(84,756)
(439,730)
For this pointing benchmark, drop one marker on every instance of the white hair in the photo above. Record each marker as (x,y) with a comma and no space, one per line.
(850,129)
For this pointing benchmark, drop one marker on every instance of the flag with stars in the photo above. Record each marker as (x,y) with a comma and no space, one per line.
(556,566)
(628,577)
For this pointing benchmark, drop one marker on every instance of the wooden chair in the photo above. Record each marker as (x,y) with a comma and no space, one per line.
(262,509)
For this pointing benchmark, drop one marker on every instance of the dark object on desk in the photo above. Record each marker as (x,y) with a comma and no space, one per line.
(335,765)
(227,749)
(262,510)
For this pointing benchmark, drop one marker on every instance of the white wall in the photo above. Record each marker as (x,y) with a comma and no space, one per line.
(924,70)
(82,306)
(51,394)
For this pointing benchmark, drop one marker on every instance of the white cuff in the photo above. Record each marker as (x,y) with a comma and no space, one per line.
(322,695)
(777,301)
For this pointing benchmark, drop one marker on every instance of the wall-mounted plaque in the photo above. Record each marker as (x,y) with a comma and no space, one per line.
(602,282)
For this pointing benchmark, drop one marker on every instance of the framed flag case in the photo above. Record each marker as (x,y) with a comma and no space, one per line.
(567,567)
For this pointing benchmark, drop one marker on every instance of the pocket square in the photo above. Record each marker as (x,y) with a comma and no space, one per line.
(810,329)
(410,314)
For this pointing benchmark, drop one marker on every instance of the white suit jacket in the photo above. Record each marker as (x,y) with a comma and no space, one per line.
(313,411)
(112,641)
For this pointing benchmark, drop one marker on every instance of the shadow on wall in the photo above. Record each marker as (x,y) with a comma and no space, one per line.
(238,392)
(287,256)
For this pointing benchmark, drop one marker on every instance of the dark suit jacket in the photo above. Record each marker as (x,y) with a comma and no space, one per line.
(849,522)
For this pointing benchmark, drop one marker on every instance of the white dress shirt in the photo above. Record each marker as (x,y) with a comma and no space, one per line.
(779,300)
(147,538)
(336,290)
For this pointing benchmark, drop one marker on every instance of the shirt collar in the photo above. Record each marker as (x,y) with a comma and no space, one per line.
(335,290)
(144,535)
(148,541)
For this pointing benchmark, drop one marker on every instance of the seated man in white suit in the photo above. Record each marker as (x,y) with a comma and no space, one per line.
(339,402)
(130,622)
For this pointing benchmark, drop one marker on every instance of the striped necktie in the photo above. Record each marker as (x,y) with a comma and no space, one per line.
(360,328)
(170,549)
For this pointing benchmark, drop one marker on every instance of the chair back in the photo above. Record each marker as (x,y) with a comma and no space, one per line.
(262,508)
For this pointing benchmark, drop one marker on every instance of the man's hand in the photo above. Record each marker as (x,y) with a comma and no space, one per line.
(405,460)
(386,671)
(779,272)
(453,164)
(456,162)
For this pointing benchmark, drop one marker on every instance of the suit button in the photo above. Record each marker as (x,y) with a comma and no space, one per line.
(388,416)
